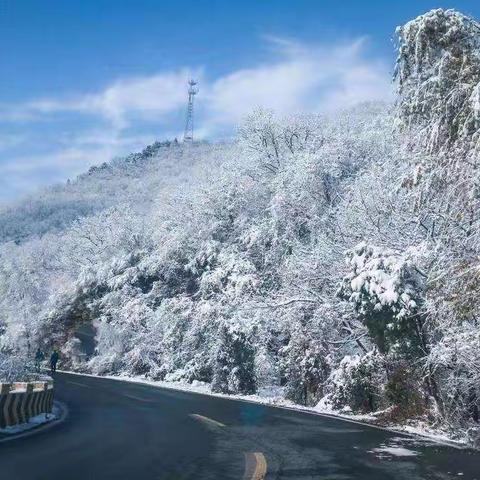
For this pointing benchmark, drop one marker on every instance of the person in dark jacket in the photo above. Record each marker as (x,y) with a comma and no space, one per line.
(54,360)
(39,357)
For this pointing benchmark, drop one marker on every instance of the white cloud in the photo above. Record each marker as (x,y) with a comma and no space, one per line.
(147,96)
(302,80)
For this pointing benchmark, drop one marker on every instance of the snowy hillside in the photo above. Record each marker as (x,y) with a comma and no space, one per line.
(333,257)
(136,179)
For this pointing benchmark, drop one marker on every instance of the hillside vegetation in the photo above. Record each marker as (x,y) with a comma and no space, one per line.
(334,256)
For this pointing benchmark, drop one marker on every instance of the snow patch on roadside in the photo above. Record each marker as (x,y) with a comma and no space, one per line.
(32,423)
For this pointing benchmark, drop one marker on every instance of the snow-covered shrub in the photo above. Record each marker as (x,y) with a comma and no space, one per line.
(455,360)
(234,370)
(357,384)
(305,368)
(110,348)
(404,392)
(198,369)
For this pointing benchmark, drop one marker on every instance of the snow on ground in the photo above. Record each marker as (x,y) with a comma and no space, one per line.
(273,395)
(33,422)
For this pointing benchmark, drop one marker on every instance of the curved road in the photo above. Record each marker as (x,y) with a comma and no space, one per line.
(120,430)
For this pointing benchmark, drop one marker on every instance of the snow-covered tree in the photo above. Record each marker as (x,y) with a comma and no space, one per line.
(234,370)
(438,74)
(387,292)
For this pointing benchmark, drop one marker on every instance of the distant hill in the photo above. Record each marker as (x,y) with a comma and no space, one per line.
(134,179)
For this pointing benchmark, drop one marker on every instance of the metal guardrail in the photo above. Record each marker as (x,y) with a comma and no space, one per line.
(20,401)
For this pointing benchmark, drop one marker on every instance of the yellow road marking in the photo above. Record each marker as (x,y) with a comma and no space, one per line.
(255,466)
(208,421)
(79,384)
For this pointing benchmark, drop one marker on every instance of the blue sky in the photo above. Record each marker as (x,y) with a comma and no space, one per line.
(82,81)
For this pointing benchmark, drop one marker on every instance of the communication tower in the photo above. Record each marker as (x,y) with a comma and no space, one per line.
(192,91)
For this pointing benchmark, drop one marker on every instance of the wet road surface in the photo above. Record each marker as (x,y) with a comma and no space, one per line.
(122,430)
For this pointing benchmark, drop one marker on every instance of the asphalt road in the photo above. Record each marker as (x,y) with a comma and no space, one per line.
(119,430)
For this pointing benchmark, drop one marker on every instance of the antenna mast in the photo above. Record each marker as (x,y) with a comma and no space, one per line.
(192,91)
